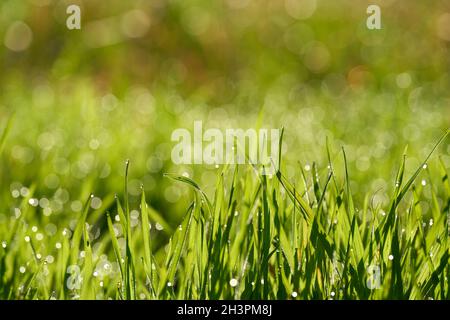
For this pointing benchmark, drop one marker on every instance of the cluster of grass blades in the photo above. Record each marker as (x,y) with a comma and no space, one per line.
(259,237)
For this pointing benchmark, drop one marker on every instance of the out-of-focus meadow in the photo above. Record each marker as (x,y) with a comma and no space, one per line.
(84,101)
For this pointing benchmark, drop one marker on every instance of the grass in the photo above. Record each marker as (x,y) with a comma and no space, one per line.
(351,214)
(256,237)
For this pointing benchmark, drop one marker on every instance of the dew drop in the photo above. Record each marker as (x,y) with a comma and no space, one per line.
(391,257)
(24,191)
(33,202)
(294,294)
(233,282)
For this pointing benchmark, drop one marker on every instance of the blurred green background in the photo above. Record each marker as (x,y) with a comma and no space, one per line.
(86,100)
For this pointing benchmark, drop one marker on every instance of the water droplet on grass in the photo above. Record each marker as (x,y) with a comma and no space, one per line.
(4,244)
(24,191)
(391,257)
(294,294)
(33,202)
(233,283)
(22,269)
